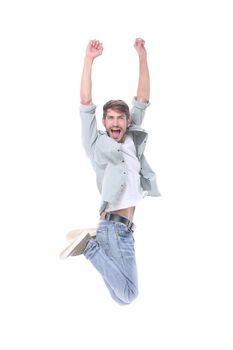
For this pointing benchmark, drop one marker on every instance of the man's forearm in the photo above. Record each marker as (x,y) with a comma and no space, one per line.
(86,82)
(143,91)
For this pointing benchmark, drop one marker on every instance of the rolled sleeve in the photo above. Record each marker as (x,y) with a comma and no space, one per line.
(87,108)
(89,126)
(138,111)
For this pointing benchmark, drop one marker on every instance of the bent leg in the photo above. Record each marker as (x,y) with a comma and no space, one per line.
(112,254)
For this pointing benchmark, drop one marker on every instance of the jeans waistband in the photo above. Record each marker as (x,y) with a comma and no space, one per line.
(118,218)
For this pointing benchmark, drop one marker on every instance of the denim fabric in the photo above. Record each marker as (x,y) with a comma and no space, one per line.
(112,254)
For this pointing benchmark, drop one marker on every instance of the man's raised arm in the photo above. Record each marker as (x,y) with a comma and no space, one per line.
(93,50)
(143,90)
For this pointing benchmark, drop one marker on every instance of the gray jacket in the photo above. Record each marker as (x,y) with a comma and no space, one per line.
(106,156)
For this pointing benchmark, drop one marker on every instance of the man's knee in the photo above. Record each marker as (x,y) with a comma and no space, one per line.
(129,296)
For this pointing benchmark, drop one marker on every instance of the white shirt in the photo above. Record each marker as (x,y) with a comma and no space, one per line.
(133,191)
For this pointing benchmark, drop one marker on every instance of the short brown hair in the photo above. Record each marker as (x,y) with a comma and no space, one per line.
(116,105)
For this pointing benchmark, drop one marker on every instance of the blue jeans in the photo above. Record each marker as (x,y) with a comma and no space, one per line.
(112,254)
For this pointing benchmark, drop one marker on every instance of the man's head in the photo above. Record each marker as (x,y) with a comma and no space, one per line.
(116,119)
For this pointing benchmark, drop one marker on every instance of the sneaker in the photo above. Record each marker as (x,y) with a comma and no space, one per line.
(73,235)
(78,246)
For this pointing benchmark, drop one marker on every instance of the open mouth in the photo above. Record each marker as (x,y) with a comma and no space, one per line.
(115,133)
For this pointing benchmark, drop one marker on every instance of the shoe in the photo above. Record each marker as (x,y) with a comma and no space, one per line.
(73,235)
(78,246)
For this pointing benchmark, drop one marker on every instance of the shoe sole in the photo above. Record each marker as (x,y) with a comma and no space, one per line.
(77,247)
(73,235)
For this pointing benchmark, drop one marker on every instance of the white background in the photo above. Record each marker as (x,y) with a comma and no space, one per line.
(183,239)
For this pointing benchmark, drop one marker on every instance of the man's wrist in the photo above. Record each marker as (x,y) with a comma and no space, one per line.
(88,59)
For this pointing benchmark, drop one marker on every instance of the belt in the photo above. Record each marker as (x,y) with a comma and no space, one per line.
(118,218)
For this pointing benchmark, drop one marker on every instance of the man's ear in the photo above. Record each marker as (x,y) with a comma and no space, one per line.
(103,121)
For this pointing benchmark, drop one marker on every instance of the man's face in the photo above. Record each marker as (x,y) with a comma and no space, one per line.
(116,124)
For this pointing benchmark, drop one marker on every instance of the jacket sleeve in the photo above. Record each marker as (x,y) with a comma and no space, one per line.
(88,126)
(138,111)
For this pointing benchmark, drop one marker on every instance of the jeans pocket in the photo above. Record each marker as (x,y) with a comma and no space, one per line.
(126,242)
(102,237)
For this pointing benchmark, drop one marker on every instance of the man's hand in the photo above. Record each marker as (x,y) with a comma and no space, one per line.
(94,49)
(139,45)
